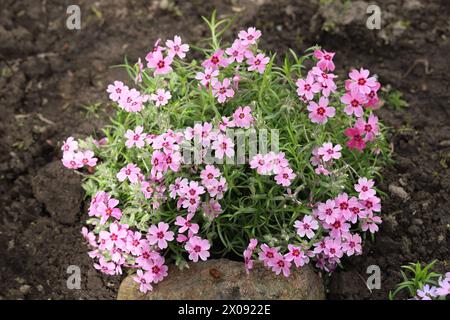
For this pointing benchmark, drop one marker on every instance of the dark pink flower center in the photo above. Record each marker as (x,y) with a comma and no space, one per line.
(161,64)
(160,235)
(320,111)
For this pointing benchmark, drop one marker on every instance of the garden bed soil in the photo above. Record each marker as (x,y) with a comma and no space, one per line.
(49,74)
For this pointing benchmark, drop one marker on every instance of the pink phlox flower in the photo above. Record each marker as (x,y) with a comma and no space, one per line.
(262,163)
(319,113)
(197,248)
(130,171)
(322,170)
(258,63)
(209,174)
(116,90)
(285,176)
(338,227)
(371,204)
(89,237)
(352,244)
(135,138)
(356,140)
(325,60)
(297,255)
(369,128)
(70,145)
(267,254)
(115,237)
(365,188)
(306,226)
(144,279)
(160,235)
(354,101)
(160,63)
(71,160)
(279,264)
(236,52)
(250,36)
(106,267)
(175,47)
(242,117)
(216,60)
(327,211)
(133,243)
(329,152)
(223,146)
(186,224)
(207,77)
(176,189)
(161,98)
(371,222)
(222,90)
(211,209)
(108,209)
(333,249)
(157,269)
(361,82)
(86,158)
(307,87)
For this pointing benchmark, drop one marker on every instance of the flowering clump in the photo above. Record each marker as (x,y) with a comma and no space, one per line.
(185,172)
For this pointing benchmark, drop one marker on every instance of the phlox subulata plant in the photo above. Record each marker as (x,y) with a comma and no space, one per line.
(232,155)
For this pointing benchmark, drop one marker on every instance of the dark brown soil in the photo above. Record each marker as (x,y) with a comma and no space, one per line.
(48,73)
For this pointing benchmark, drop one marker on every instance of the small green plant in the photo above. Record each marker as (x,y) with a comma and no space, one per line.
(421,282)
(394,99)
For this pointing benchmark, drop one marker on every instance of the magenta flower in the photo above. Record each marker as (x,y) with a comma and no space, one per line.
(135,138)
(285,176)
(130,171)
(159,235)
(250,36)
(242,117)
(296,255)
(197,248)
(216,60)
(319,113)
(369,128)
(306,226)
(307,87)
(223,146)
(352,244)
(175,47)
(161,98)
(108,209)
(361,82)
(159,63)
(327,211)
(222,90)
(258,63)
(325,60)
(365,188)
(144,279)
(328,152)
(207,77)
(279,264)
(354,101)
(115,90)
(70,145)
(186,224)
(356,141)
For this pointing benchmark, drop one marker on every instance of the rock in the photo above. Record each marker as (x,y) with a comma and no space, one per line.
(225,279)
(59,189)
(398,192)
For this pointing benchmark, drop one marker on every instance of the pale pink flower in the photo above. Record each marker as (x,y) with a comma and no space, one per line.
(135,138)
(176,189)
(306,226)
(307,87)
(211,209)
(267,254)
(371,204)
(365,188)
(327,211)
(338,227)
(197,248)
(280,264)
(191,204)
(352,244)
(222,90)
(325,59)
(115,90)
(354,101)
(159,163)
(186,224)
(250,36)
(285,176)
(193,190)
(371,223)
(225,123)
(444,286)
(108,209)
(209,174)
(258,63)
(115,237)
(361,82)
(319,113)
(147,189)
(223,146)
(262,164)
(161,98)
(133,243)
(207,77)
(130,171)
(369,128)
(107,267)
(160,63)
(175,47)
(297,255)
(217,188)
(86,158)
(236,52)
(333,248)
(89,237)
(156,48)
(71,160)
(70,145)
(157,269)
(173,161)
(329,152)
(144,279)
(242,117)
(322,170)
(159,235)
(216,60)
